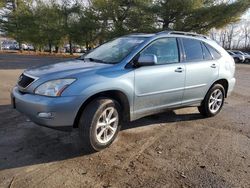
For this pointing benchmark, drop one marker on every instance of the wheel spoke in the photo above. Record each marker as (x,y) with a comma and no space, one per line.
(211,103)
(105,135)
(214,106)
(218,94)
(212,97)
(104,115)
(100,124)
(111,111)
(112,120)
(101,133)
(112,129)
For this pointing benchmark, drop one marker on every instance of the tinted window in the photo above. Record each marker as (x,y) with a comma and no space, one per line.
(215,53)
(206,53)
(193,49)
(166,50)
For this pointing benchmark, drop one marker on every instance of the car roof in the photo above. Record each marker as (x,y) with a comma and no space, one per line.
(143,35)
(168,33)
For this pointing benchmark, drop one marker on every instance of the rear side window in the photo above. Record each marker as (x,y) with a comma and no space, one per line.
(206,53)
(215,53)
(193,49)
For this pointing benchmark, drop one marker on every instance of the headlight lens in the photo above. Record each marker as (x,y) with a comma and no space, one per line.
(54,87)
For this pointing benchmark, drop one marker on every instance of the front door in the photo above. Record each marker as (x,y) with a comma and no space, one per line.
(161,85)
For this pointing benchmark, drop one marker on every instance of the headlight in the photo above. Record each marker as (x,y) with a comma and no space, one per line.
(53,87)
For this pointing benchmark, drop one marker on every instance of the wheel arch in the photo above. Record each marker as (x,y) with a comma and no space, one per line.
(222,82)
(117,95)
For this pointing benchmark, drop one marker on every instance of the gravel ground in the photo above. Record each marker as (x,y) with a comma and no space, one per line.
(174,149)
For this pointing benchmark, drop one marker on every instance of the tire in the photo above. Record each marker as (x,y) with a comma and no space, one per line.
(213,101)
(236,60)
(93,123)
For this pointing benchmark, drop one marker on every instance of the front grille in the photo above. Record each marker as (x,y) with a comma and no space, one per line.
(24,81)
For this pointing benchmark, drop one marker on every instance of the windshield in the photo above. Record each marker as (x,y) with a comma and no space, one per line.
(114,51)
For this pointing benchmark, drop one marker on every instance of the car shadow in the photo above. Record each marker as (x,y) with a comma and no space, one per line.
(165,117)
(22,143)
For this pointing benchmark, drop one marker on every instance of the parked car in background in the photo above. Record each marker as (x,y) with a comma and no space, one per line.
(125,79)
(10,45)
(247,57)
(75,48)
(238,58)
(29,47)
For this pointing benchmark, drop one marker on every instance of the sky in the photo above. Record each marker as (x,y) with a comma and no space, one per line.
(246,15)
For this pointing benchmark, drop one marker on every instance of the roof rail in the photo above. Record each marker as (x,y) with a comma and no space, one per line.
(183,33)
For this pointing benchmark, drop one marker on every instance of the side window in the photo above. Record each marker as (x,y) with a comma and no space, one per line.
(166,50)
(215,53)
(193,49)
(206,53)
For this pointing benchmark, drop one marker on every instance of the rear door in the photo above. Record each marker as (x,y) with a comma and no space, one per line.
(202,69)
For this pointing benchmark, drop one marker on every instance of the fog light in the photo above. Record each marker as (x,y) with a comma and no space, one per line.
(45,115)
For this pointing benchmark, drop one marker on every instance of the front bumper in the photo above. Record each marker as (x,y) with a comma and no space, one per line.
(63,109)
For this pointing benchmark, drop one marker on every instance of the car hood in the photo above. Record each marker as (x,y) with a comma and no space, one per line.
(67,68)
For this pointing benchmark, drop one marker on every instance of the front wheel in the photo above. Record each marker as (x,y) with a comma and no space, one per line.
(99,124)
(213,101)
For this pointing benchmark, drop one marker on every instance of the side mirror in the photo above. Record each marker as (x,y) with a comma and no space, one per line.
(147,60)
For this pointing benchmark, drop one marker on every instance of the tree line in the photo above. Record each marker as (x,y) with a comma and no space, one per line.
(52,23)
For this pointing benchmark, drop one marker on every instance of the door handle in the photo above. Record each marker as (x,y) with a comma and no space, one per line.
(179,69)
(213,66)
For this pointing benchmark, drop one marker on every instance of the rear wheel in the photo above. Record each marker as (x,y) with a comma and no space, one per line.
(99,124)
(213,101)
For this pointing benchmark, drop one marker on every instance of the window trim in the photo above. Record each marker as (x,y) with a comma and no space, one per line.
(135,58)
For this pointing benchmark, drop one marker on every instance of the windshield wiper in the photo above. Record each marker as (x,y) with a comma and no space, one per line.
(81,58)
(96,60)
(93,60)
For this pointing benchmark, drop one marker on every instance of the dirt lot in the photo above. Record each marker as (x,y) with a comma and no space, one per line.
(173,149)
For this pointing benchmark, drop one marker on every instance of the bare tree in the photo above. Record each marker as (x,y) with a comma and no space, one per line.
(246,31)
(230,34)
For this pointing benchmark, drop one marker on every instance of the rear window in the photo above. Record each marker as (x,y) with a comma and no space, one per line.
(193,49)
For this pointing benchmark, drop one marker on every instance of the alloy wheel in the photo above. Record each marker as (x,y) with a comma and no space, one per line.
(107,125)
(215,100)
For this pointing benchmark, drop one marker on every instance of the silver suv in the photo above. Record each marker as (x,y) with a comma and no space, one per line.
(125,79)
